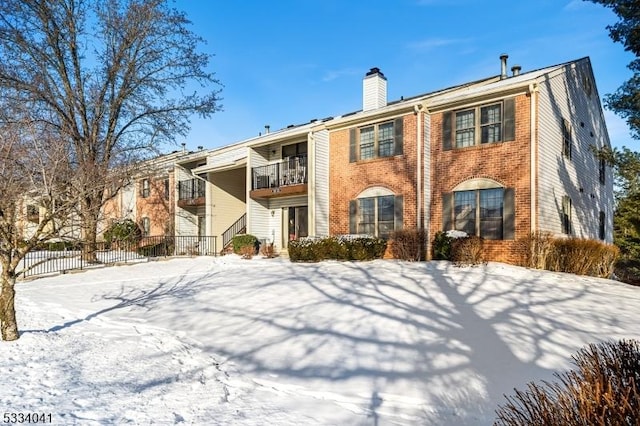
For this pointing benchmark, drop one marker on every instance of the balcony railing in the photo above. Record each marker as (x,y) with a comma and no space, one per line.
(191,192)
(192,188)
(289,172)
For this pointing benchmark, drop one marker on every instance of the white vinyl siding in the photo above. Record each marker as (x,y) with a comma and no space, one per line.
(186,222)
(321,169)
(228,193)
(561,96)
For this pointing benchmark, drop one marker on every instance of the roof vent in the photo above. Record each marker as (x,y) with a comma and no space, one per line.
(516,70)
(374,90)
(503,66)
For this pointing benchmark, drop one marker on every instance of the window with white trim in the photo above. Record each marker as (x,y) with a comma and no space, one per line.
(379,140)
(377,215)
(479,125)
(146,189)
(146,226)
(566,215)
(566,139)
(481,207)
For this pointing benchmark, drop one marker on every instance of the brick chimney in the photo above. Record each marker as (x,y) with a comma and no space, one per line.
(374,90)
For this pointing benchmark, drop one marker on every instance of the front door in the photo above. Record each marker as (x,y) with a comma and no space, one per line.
(297,223)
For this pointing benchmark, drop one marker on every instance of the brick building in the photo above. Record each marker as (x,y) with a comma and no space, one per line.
(498,157)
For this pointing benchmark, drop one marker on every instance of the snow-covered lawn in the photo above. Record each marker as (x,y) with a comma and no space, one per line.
(267,342)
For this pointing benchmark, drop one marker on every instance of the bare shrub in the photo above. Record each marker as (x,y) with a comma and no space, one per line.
(537,247)
(467,251)
(584,257)
(268,250)
(409,244)
(247,252)
(603,390)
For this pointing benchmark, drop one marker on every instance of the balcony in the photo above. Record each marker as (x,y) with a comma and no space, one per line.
(191,193)
(281,179)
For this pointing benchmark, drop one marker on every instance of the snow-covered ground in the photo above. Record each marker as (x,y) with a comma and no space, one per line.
(226,341)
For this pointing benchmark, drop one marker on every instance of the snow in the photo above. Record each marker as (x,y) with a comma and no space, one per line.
(227,341)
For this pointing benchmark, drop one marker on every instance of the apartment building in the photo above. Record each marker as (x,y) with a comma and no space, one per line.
(499,157)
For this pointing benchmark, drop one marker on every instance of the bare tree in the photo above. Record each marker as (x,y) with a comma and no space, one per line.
(35,204)
(116,78)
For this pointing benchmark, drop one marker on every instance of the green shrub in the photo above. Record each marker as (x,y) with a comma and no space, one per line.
(244,240)
(306,250)
(123,231)
(409,244)
(441,246)
(339,248)
(467,251)
(366,248)
(60,246)
(603,390)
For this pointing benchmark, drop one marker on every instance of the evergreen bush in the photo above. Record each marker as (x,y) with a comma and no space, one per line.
(338,248)
(123,231)
(244,240)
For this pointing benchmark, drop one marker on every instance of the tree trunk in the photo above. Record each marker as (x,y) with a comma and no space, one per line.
(89,231)
(8,323)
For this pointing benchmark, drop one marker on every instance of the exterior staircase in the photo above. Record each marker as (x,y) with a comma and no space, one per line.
(238,227)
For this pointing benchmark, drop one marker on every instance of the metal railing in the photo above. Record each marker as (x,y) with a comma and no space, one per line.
(190,189)
(61,257)
(239,226)
(289,172)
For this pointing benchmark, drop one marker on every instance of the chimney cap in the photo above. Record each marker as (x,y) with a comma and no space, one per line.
(374,71)
(504,56)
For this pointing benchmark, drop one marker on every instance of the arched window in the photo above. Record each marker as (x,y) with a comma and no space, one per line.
(376,211)
(481,207)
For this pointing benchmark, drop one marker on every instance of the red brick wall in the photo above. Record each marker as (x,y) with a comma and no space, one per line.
(347,180)
(156,207)
(508,163)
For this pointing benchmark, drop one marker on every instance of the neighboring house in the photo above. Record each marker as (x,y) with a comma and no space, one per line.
(153,195)
(499,157)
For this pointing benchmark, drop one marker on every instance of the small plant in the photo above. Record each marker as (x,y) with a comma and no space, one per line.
(441,246)
(467,251)
(603,390)
(247,252)
(244,240)
(536,249)
(268,250)
(125,231)
(409,244)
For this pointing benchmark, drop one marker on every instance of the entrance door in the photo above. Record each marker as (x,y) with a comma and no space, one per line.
(298,222)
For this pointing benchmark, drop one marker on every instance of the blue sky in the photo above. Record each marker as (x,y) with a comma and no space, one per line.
(285,62)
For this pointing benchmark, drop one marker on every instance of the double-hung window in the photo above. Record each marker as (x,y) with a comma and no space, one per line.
(146,226)
(146,189)
(566,138)
(479,125)
(376,141)
(566,215)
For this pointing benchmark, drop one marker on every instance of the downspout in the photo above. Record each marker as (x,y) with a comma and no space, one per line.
(416,110)
(533,91)
(311,175)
